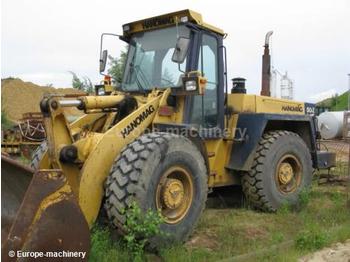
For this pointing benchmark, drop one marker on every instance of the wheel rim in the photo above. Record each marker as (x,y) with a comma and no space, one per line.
(174,194)
(288,174)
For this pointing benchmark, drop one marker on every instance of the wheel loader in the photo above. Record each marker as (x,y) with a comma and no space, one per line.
(163,137)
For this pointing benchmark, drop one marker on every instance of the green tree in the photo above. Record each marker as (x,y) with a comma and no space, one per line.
(115,70)
(89,87)
(83,84)
(5,121)
(116,66)
(334,100)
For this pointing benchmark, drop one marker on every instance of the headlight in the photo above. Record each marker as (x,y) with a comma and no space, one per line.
(191,85)
(101,92)
(184,19)
(126,28)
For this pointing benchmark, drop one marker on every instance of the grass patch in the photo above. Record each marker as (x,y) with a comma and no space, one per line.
(311,239)
(103,248)
(321,219)
(336,103)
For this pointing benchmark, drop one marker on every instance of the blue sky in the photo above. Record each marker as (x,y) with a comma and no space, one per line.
(42,40)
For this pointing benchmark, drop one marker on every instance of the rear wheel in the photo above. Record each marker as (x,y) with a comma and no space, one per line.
(282,168)
(159,171)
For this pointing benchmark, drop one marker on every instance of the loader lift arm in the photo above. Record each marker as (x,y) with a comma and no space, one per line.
(68,187)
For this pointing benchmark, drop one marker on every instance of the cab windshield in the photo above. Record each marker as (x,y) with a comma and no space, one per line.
(149,65)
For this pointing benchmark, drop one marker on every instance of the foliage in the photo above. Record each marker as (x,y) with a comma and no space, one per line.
(285,208)
(334,100)
(311,239)
(83,84)
(116,66)
(336,103)
(5,121)
(103,248)
(304,199)
(277,237)
(140,228)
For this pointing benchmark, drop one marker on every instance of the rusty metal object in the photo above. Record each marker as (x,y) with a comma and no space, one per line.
(15,179)
(288,174)
(174,194)
(31,127)
(333,179)
(48,219)
(25,137)
(266,67)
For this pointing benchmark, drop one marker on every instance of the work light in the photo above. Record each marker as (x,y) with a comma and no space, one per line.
(191,85)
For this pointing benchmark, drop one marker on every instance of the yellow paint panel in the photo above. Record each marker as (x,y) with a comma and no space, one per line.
(83,121)
(264,104)
(271,105)
(220,149)
(169,19)
(241,102)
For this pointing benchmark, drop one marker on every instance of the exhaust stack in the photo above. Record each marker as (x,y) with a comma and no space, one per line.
(266,67)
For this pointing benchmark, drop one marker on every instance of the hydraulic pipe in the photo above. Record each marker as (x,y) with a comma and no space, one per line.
(70,103)
(93,102)
(101,102)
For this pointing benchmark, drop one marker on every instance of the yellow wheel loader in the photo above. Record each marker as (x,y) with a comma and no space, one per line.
(163,137)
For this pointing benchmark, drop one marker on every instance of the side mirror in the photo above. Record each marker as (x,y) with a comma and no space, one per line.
(103,61)
(181,49)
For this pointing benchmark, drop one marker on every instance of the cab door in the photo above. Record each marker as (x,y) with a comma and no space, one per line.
(206,111)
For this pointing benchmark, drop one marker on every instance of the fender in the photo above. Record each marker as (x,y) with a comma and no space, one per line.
(188,132)
(254,125)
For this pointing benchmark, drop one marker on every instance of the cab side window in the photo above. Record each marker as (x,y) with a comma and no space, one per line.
(204,108)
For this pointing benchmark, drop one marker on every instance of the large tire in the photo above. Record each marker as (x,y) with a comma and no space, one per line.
(136,175)
(282,168)
(38,155)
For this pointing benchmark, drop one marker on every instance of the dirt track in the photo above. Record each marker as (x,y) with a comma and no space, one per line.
(339,252)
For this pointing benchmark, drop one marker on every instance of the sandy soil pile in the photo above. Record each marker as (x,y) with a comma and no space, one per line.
(19,97)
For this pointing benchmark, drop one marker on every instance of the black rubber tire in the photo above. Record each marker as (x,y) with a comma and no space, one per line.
(135,175)
(259,184)
(38,155)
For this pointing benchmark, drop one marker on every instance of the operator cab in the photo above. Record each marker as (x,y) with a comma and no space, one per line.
(152,62)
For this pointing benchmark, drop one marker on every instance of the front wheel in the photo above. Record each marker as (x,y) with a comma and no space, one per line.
(159,171)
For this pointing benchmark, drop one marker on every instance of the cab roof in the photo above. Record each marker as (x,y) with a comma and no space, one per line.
(166,20)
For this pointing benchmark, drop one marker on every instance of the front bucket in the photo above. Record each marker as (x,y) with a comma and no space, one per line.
(48,221)
(15,180)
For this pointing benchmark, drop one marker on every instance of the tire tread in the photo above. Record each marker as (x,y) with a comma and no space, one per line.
(252,181)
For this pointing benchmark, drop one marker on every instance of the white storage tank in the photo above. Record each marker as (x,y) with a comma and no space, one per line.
(330,124)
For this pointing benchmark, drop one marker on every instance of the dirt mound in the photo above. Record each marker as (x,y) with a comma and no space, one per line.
(19,97)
